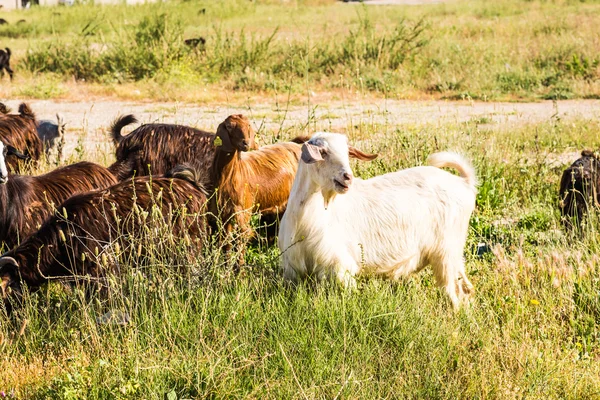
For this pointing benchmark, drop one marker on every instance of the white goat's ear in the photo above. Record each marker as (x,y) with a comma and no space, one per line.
(356,153)
(311,153)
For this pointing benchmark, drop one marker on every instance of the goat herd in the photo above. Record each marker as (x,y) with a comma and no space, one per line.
(335,225)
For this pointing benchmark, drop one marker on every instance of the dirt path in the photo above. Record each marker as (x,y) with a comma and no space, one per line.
(94,118)
(401,2)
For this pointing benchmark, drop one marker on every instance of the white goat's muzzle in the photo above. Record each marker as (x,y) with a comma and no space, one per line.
(342,184)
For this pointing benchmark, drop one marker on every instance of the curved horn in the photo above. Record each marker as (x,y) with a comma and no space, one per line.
(12,151)
(356,153)
(8,261)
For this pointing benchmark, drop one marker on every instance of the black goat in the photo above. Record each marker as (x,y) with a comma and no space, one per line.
(579,189)
(5,62)
(194,42)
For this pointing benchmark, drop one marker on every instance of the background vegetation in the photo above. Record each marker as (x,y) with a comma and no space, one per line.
(509,49)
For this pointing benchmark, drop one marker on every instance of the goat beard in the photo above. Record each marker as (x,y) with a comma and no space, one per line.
(327,197)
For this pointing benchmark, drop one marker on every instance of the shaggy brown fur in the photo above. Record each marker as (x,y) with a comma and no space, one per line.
(259,180)
(20,131)
(161,147)
(27,201)
(55,250)
(579,188)
(4,109)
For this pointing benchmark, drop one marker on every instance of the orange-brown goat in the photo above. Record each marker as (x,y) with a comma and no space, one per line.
(259,180)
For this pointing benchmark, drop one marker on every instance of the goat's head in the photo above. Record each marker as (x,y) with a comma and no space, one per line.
(10,284)
(235,134)
(5,151)
(328,155)
(586,169)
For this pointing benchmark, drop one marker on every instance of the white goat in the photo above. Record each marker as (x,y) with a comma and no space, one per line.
(392,225)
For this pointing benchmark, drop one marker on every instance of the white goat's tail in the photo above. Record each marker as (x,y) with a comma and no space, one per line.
(456,161)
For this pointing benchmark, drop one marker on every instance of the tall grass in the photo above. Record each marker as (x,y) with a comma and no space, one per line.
(155,46)
(480,50)
(530,332)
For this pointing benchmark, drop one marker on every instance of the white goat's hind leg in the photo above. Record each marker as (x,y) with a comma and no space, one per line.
(446,270)
(451,290)
(465,286)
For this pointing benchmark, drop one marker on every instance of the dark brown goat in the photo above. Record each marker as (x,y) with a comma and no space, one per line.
(259,180)
(72,243)
(20,131)
(156,148)
(579,187)
(27,201)
(5,62)
(198,42)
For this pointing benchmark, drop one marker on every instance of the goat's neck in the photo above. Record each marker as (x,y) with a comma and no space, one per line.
(5,202)
(224,165)
(306,190)
(14,196)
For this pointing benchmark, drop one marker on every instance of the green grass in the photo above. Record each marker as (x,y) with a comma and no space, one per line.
(530,332)
(509,49)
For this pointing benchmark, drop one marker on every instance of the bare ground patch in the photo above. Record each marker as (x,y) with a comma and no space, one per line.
(94,117)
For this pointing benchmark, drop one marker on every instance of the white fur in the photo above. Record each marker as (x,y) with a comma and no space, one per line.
(3,169)
(392,225)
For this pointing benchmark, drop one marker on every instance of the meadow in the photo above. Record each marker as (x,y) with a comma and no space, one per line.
(205,331)
(531,330)
(501,50)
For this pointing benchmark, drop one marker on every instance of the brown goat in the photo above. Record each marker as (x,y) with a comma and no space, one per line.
(156,148)
(579,189)
(20,131)
(259,180)
(72,244)
(27,201)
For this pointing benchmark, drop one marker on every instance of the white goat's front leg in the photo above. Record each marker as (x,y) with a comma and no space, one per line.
(289,273)
(344,270)
(346,278)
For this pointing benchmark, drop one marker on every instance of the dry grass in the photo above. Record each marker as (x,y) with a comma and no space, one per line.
(511,49)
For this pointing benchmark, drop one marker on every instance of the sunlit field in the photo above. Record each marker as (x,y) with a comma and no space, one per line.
(509,49)
(182,324)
